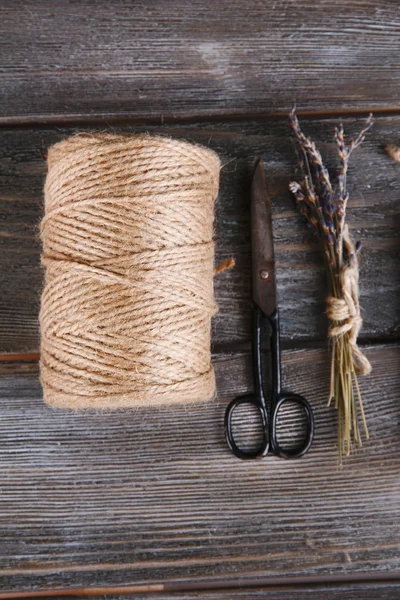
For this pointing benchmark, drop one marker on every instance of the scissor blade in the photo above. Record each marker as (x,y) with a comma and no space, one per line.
(262,244)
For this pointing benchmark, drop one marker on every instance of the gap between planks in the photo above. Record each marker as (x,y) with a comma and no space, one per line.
(88,120)
(293,583)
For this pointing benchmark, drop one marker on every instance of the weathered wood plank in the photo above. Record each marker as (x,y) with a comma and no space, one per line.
(372,215)
(151,59)
(155,496)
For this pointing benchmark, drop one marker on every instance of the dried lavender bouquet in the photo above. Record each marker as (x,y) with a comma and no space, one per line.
(324,207)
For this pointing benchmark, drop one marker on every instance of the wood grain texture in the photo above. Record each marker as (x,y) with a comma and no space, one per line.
(100,59)
(155,496)
(373,217)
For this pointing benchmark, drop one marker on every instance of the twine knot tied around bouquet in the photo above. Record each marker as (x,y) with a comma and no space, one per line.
(344,312)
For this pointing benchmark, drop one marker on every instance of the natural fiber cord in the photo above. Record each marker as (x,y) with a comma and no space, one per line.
(345,313)
(129,258)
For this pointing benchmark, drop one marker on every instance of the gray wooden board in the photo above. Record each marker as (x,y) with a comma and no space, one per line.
(149,59)
(372,216)
(154,495)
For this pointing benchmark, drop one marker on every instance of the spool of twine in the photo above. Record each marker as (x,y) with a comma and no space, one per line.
(129,256)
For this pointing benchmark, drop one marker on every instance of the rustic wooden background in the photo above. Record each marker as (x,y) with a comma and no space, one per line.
(153,498)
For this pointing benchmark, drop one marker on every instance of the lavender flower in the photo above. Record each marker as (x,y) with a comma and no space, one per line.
(324,207)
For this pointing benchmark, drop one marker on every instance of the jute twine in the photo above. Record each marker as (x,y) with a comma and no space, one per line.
(129,258)
(344,313)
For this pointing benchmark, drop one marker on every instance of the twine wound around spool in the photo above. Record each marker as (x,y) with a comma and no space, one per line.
(128,253)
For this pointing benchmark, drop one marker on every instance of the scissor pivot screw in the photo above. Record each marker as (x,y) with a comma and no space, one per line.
(264,274)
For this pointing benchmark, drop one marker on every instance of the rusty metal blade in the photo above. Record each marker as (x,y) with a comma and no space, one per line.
(262,243)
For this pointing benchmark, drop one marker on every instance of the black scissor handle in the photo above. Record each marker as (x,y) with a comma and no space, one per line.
(309,434)
(262,450)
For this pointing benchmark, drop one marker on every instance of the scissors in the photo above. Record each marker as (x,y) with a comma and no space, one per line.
(265,312)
